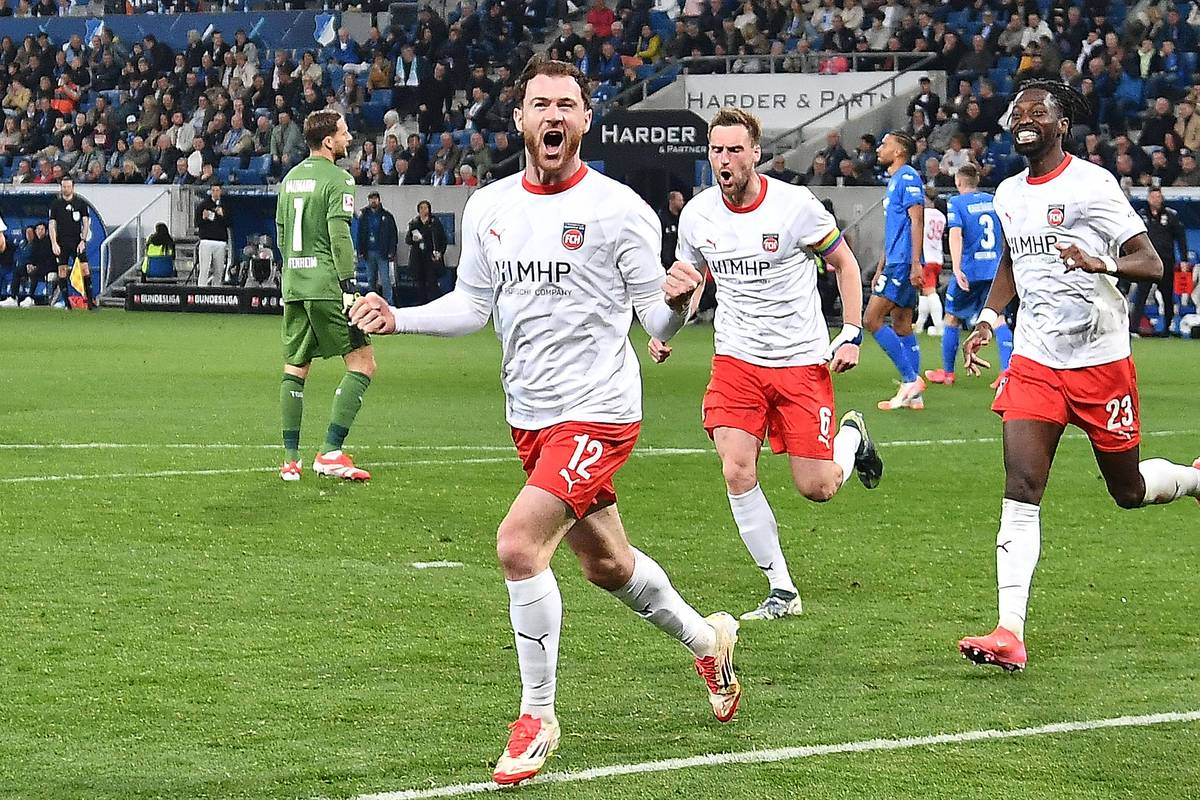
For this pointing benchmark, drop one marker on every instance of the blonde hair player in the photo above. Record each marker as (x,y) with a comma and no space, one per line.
(760,238)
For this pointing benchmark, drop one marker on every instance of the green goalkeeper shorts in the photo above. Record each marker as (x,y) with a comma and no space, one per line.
(318,329)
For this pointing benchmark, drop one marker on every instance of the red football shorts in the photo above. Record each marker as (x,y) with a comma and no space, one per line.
(792,406)
(1102,400)
(576,461)
(932,273)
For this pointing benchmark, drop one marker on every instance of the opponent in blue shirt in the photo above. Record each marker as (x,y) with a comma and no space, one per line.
(900,272)
(976,242)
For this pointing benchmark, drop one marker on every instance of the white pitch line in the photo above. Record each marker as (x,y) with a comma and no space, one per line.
(436,564)
(478,448)
(795,753)
(644,452)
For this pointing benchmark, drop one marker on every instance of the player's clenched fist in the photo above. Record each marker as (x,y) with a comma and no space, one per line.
(659,351)
(371,314)
(682,280)
(1074,258)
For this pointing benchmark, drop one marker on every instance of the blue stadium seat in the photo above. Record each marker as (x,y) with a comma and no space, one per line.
(229,162)
(382,97)
(248,177)
(462,138)
(661,24)
(1008,64)
(261,164)
(372,114)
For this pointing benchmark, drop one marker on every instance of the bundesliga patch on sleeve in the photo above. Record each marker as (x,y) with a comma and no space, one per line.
(348,203)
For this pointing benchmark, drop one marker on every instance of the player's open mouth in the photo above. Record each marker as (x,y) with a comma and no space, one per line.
(1027,136)
(725,175)
(552,142)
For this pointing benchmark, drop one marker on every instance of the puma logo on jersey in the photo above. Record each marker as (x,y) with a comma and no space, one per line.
(711,243)
(539,640)
(493,232)
(566,476)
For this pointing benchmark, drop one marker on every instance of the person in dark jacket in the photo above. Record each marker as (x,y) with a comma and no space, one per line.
(427,251)
(377,240)
(1166,234)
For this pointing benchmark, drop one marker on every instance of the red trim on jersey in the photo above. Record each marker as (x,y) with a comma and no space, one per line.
(762,195)
(1049,176)
(554,188)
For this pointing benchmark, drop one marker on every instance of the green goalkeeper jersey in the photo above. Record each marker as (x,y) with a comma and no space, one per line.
(316,204)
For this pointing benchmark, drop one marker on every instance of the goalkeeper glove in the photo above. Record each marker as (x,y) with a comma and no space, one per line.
(851,334)
(349,293)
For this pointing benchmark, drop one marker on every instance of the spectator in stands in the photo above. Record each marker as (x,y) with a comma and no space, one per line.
(409,72)
(956,155)
(1178,31)
(918,124)
(478,156)
(610,68)
(779,171)
(847,176)
(441,174)
(1189,172)
(1155,128)
(818,173)
(933,176)
(380,75)
(833,153)
(10,137)
(449,152)
(436,100)
(287,145)
(648,46)
(865,156)
(466,177)
(927,100)
(24,173)
(181,175)
(475,114)
(417,156)
(345,52)
(388,158)
(601,18)
(944,129)
(237,141)
(977,62)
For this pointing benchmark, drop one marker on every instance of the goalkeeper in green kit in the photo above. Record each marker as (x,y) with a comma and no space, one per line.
(316,204)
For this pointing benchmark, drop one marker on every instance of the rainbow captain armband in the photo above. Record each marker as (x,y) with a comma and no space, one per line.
(828,244)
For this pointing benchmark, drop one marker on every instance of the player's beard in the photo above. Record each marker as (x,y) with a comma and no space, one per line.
(736,188)
(563,155)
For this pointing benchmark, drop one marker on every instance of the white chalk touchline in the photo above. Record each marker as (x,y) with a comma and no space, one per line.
(436,564)
(642,452)
(478,448)
(795,753)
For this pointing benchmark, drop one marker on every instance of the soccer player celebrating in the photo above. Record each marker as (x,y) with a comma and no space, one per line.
(975,246)
(1061,218)
(70,230)
(929,304)
(316,202)
(758,237)
(561,257)
(901,270)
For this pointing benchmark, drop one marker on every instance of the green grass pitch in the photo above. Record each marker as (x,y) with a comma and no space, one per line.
(225,635)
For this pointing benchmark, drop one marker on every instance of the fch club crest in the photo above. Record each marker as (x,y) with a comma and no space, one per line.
(572,235)
(771,242)
(1056,214)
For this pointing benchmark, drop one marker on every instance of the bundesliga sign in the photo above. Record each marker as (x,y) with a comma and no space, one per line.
(223,299)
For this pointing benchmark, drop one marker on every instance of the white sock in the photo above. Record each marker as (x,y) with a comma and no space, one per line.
(1166,482)
(936,315)
(845,446)
(652,597)
(760,532)
(535,608)
(922,313)
(1018,545)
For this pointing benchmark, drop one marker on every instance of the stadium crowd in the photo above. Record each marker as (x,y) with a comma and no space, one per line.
(432,102)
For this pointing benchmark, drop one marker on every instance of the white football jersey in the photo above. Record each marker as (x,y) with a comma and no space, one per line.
(1067,319)
(559,265)
(935,225)
(768,309)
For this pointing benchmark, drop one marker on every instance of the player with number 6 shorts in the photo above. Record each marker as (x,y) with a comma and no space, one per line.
(760,238)
(315,206)
(1062,219)
(561,257)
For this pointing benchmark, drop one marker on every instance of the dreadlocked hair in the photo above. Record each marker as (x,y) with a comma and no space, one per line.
(906,141)
(1071,104)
